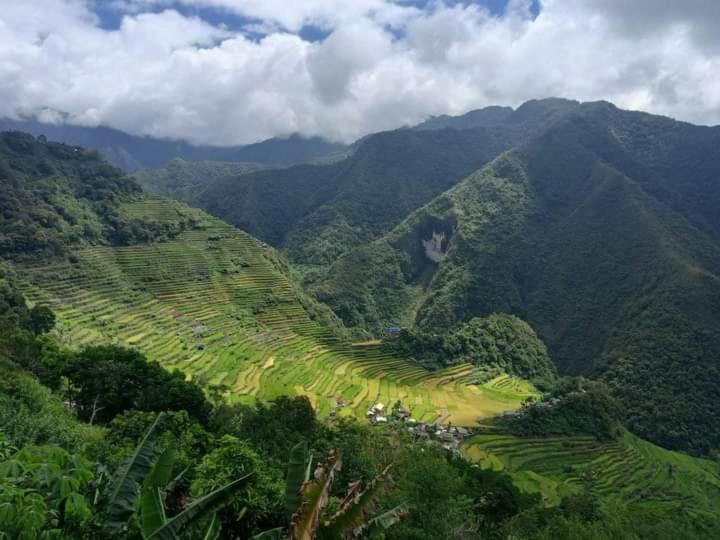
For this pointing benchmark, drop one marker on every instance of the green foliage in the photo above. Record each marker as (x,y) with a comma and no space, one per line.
(200,510)
(152,507)
(108,380)
(56,195)
(185,435)
(586,409)
(42,319)
(153,518)
(276,428)
(31,414)
(128,479)
(447,497)
(498,341)
(45,492)
(570,522)
(260,502)
(298,472)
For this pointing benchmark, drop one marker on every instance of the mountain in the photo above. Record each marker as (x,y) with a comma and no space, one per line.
(597,226)
(131,153)
(185,180)
(119,266)
(602,232)
(54,196)
(140,285)
(318,211)
(489,116)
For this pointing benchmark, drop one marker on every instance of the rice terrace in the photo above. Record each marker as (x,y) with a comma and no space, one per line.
(623,471)
(215,304)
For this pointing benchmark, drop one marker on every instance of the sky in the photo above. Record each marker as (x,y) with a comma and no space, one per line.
(226,72)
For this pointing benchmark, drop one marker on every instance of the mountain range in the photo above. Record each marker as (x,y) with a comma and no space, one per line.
(513,297)
(597,225)
(131,153)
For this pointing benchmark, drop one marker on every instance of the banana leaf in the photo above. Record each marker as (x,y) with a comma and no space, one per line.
(128,478)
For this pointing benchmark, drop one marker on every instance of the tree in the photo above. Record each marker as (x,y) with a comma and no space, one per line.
(306,501)
(260,503)
(139,486)
(185,434)
(274,428)
(109,380)
(42,320)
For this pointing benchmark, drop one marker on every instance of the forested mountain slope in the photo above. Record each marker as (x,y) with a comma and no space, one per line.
(185,180)
(54,196)
(603,233)
(318,211)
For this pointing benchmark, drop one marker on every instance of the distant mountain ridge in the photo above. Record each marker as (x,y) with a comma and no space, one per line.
(131,153)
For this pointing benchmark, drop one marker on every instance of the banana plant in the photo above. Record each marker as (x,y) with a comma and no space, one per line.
(307,498)
(141,483)
(198,511)
(129,477)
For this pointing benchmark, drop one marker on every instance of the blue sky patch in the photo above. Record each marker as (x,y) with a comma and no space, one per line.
(110,17)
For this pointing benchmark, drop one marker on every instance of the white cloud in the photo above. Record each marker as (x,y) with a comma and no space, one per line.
(383,65)
(291,15)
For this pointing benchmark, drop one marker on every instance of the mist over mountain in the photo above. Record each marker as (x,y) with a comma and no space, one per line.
(131,153)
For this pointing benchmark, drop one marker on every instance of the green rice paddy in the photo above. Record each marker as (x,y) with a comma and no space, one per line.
(213,303)
(626,471)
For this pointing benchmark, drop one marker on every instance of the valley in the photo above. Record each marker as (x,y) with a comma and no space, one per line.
(215,303)
(552,306)
(359,270)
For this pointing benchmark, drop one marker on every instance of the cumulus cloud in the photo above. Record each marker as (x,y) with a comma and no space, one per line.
(383,64)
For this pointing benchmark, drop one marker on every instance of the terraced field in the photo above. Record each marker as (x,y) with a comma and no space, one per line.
(214,303)
(627,471)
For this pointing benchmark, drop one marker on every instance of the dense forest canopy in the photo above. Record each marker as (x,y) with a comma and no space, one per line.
(57,196)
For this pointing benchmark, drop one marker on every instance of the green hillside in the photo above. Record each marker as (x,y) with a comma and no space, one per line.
(216,304)
(628,471)
(184,180)
(318,211)
(590,232)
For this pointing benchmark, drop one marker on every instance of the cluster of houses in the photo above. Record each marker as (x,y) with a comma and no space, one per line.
(449,436)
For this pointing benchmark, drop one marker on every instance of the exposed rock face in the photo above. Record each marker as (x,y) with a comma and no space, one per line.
(434,246)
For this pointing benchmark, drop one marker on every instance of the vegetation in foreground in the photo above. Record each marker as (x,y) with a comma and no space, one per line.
(128,450)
